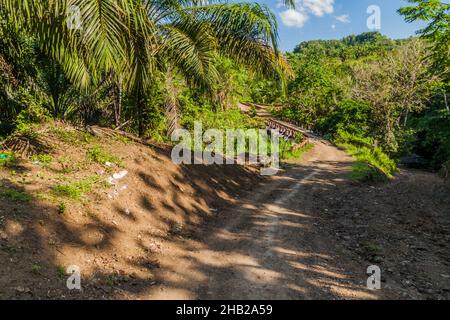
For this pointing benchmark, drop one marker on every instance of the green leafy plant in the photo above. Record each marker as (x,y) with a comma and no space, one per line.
(372,163)
(111,280)
(7,158)
(42,159)
(99,155)
(35,268)
(72,137)
(14,195)
(77,189)
(61,271)
(62,207)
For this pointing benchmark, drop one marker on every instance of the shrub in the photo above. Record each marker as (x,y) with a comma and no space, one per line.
(372,163)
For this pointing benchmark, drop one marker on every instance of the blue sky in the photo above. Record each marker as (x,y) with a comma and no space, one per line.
(335,19)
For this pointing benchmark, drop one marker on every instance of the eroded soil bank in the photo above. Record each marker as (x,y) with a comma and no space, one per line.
(221,232)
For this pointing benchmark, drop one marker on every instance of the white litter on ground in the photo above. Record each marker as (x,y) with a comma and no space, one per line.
(116,177)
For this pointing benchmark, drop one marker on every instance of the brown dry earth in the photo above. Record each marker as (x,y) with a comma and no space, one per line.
(308,233)
(311,234)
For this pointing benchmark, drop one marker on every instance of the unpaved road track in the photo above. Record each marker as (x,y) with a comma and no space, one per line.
(269,245)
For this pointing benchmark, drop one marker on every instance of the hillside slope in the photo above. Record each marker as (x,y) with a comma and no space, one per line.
(308,233)
(59,209)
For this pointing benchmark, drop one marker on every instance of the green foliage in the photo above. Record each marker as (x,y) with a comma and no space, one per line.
(94,68)
(7,158)
(231,118)
(373,248)
(42,159)
(437,14)
(349,116)
(14,195)
(76,190)
(35,268)
(61,272)
(344,137)
(98,155)
(62,207)
(367,91)
(73,137)
(434,133)
(372,163)
(291,153)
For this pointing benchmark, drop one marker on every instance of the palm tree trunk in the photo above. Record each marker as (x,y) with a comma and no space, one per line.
(118,104)
(140,112)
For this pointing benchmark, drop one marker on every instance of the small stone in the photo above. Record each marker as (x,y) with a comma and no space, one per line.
(377,259)
(22,290)
(3,235)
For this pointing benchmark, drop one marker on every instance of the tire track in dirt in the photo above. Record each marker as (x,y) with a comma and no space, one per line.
(268,245)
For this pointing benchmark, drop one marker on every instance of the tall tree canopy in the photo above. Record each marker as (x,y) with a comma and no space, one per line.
(132,41)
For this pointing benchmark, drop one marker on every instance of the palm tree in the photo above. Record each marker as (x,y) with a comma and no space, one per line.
(134,40)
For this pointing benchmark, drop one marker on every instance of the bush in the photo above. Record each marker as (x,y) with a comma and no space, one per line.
(228,119)
(350,116)
(372,163)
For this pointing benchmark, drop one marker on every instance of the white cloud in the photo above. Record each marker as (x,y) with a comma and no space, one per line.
(304,8)
(319,7)
(333,26)
(294,18)
(345,18)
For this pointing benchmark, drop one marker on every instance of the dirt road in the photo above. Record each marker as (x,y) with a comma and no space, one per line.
(274,244)
(222,232)
(269,245)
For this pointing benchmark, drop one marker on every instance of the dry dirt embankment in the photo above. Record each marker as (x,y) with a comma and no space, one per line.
(311,233)
(308,233)
(59,210)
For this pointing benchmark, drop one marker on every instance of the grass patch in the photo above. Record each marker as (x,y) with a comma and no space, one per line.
(14,195)
(42,159)
(72,137)
(373,248)
(99,155)
(61,272)
(62,208)
(297,153)
(123,139)
(35,268)
(77,189)
(372,164)
(110,280)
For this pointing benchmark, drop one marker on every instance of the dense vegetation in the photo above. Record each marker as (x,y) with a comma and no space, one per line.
(150,66)
(127,63)
(378,98)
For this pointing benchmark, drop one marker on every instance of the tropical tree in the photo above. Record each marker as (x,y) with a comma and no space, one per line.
(134,41)
(395,86)
(437,14)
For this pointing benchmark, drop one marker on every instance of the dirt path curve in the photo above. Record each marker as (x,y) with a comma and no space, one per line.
(268,246)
